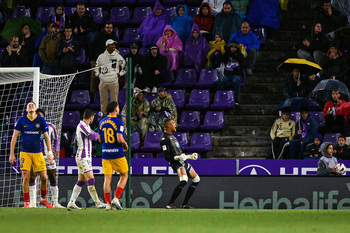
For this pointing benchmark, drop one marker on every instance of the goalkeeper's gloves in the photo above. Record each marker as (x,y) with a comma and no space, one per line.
(181,157)
(193,156)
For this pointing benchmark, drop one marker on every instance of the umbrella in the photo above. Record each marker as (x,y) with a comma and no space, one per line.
(13,27)
(323,90)
(303,65)
(344,109)
(297,103)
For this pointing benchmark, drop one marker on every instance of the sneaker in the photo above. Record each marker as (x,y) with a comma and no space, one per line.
(249,71)
(115,203)
(58,206)
(159,129)
(186,207)
(72,205)
(100,205)
(154,90)
(147,89)
(151,129)
(236,103)
(32,205)
(26,205)
(109,207)
(46,203)
(170,206)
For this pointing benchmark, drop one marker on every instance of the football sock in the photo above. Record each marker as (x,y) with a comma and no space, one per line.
(108,198)
(54,190)
(189,192)
(32,193)
(92,190)
(43,194)
(119,192)
(177,191)
(26,197)
(76,190)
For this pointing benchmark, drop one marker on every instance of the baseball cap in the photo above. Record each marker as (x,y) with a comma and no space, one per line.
(110,41)
(153,47)
(161,89)
(55,25)
(134,45)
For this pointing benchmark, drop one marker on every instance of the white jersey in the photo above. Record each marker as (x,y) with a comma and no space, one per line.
(54,145)
(84,137)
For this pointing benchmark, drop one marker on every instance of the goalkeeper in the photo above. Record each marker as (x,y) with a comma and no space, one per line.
(177,160)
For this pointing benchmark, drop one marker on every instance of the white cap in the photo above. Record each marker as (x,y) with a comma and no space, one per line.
(110,41)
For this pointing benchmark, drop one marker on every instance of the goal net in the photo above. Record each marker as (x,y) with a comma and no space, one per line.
(18,86)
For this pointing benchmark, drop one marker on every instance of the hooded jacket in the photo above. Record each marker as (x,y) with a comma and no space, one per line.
(172,42)
(182,24)
(167,104)
(227,24)
(204,22)
(327,161)
(110,66)
(249,40)
(159,63)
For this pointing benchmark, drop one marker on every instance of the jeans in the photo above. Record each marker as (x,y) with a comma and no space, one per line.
(236,80)
(317,56)
(251,58)
(215,60)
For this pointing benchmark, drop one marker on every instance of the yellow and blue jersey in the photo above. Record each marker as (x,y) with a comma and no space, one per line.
(108,129)
(31,130)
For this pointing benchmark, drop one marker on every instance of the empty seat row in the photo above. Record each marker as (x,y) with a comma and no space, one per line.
(147,155)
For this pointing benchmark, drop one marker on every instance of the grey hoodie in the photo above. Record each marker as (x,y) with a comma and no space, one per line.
(327,161)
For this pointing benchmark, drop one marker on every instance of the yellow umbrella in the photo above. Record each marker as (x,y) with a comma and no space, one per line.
(303,65)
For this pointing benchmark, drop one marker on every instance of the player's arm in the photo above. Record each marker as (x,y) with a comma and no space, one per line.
(49,149)
(122,141)
(55,142)
(13,144)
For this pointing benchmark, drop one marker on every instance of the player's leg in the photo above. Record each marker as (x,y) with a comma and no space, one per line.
(120,165)
(181,173)
(54,188)
(76,191)
(32,189)
(107,190)
(43,189)
(195,181)
(89,176)
(26,165)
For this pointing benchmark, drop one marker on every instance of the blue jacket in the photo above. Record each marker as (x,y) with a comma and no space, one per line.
(249,40)
(311,127)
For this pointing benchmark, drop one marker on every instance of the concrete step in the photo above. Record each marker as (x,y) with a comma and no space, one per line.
(267,77)
(254,98)
(267,66)
(279,46)
(239,152)
(302,5)
(245,131)
(275,55)
(263,88)
(296,25)
(254,109)
(249,120)
(252,140)
(289,35)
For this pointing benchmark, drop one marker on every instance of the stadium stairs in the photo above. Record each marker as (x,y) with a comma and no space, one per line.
(246,131)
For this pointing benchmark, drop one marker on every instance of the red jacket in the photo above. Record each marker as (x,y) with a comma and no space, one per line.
(205,23)
(330,104)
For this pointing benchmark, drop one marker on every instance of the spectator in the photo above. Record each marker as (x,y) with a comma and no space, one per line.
(264,13)
(233,60)
(305,132)
(182,22)
(313,150)
(110,67)
(341,150)
(162,108)
(281,133)
(139,113)
(311,82)
(139,79)
(227,22)
(196,50)
(334,64)
(37,61)
(48,51)
(67,51)
(241,7)
(153,25)
(215,6)
(205,21)
(83,25)
(12,56)
(250,42)
(59,17)
(334,123)
(156,68)
(314,45)
(26,40)
(170,45)
(217,49)
(294,85)
(99,46)
(326,165)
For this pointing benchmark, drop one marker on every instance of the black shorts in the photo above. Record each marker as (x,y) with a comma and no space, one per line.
(175,165)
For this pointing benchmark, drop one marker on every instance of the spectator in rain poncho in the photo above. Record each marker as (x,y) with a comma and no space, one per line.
(182,22)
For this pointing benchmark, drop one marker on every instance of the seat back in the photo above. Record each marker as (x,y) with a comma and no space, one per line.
(199,99)
(200,142)
(170,11)
(318,116)
(178,96)
(160,156)
(186,77)
(80,97)
(144,51)
(135,141)
(331,137)
(75,2)
(190,120)
(182,138)
(122,98)
(173,2)
(143,156)
(130,36)
(43,14)
(21,11)
(208,78)
(151,96)
(69,10)
(120,15)
(97,14)
(125,2)
(100,2)
(223,99)
(140,13)
(81,58)
(192,11)
(123,51)
(213,120)
(147,2)
(260,32)
(152,141)
(70,120)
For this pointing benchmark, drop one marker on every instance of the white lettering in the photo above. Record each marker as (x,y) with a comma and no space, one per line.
(283,171)
(305,170)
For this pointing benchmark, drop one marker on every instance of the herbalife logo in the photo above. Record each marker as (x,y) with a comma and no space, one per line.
(155,190)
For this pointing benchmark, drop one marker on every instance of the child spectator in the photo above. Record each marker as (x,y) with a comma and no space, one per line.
(182,22)
(341,150)
(205,20)
(312,150)
(334,123)
(217,49)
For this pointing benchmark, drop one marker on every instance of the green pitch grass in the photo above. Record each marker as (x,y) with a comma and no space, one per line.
(162,220)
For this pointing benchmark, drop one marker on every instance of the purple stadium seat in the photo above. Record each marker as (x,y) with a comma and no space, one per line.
(169,80)
(125,2)
(186,77)
(124,51)
(96,104)
(194,2)
(98,116)
(200,142)
(116,31)
(170,11)
(75,2)
(1,51)
(207,78)
(70,120)
(97,14)
(120,15)
(152,141)
(100,2)
(151,96)
(82,59)
(82,80)
(130,36)
(140,13)
(69,10)
(51,2)
(213,120)
(79,99)
(182,138)
(147,2)
(121,98)
(173,2)
(190,120)
(295,116)
(43,14)
(223,99)
(143,156)
(160,156)
(318,116)
(199,99)
(260,32)
(21,11)
(3,42)
(135,141)
(178,97)
(331,137)
(192,11)
(143,51)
